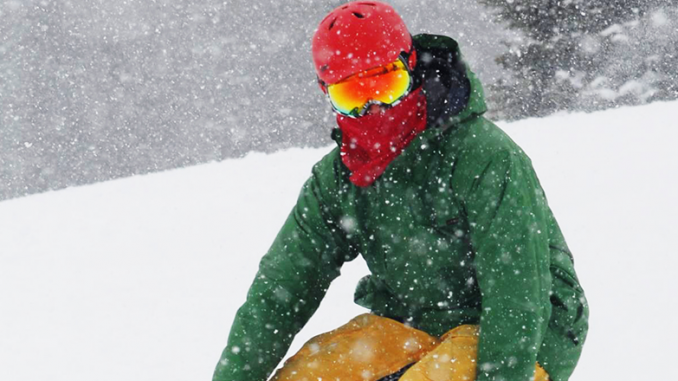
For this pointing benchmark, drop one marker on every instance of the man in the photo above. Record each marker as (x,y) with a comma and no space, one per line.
(443,206)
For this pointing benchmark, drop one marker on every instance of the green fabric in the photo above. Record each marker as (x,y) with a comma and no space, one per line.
(456,230)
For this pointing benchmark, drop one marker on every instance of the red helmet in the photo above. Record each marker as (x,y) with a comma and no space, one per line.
(358,36)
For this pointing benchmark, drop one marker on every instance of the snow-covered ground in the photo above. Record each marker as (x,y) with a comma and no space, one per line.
(139,278)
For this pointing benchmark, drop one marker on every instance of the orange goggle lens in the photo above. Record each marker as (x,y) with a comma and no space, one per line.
(384,84)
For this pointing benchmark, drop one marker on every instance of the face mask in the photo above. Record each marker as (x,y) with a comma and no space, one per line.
(371,142)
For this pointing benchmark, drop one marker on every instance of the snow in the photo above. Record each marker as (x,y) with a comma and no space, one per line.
(139,278)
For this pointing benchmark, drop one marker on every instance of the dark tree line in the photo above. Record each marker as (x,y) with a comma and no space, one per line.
(584,55)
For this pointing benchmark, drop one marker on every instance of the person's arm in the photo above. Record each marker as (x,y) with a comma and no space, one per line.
(292,280)
(508,218)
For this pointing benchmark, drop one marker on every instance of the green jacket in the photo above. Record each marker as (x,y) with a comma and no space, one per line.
(456,230)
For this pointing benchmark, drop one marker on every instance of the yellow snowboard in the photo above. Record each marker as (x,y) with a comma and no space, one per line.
(370,347)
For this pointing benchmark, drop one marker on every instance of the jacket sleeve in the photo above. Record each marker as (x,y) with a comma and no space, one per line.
(507,214)
(292,280)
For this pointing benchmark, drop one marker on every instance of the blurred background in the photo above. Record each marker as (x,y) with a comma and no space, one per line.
(92,90)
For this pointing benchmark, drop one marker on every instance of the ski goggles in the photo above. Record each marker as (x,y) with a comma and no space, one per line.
(384,85)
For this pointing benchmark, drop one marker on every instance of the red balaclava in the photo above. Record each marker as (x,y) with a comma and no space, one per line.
(358,36)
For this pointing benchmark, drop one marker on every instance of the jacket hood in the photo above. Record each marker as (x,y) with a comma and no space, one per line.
(446,79)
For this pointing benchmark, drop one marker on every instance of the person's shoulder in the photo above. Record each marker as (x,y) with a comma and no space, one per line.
(481,140)
(329,172)
(481,147)
(329,164)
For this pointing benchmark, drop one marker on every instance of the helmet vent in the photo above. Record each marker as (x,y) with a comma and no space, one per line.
(358,15)
(332,24)
(370,4)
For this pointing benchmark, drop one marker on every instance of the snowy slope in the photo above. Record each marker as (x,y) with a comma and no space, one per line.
(139,278)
